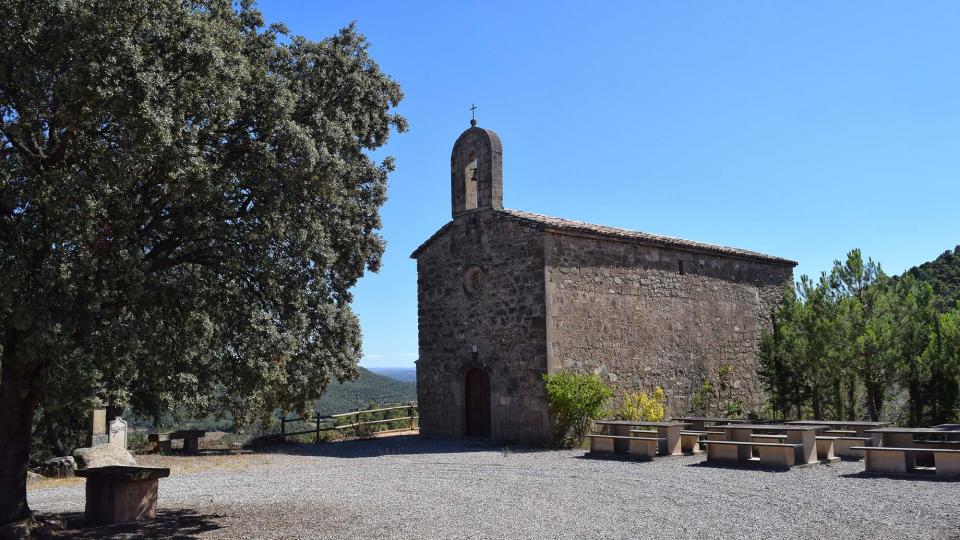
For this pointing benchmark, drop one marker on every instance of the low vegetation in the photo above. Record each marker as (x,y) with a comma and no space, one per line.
(574,400)
(642,406)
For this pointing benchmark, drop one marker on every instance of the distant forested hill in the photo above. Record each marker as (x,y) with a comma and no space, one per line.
(401,374)
(369,388)
(943,274)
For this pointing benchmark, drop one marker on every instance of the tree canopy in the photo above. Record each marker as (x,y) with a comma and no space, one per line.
(186,199)
(845,346)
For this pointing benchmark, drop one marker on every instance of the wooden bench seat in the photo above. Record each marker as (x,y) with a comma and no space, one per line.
(886,459)
(121,494)
(777,454)
(641,447)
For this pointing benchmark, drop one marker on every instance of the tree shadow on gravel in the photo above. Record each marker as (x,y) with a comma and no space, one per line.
(926,476)
(180,524)
(399,445)
(606,456)
(739,466)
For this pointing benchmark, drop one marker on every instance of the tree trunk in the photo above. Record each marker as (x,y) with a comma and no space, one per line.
(851,401)
(873,401)
(53,435)
(18,400)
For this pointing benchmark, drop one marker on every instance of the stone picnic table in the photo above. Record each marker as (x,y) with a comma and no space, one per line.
(899,450)
(699,423)
(848,433)
(904,436)
(670,431)
(121,493)
(860,427)
(804,436)
(191,439)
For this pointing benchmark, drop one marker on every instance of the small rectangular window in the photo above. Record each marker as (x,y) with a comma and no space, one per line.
(681,269)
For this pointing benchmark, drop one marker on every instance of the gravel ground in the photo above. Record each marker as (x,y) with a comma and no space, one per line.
(408,487)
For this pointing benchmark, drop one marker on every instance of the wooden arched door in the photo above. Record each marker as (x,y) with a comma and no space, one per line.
(477,403)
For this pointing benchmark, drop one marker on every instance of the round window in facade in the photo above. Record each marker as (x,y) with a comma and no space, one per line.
(473,278)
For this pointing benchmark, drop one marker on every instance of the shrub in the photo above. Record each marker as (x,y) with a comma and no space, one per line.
(643,406)
(574,401)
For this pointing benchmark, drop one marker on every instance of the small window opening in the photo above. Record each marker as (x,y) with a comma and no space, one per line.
(470,178)
(682,273)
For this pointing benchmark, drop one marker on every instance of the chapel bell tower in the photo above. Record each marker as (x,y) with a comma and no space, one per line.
(476,171)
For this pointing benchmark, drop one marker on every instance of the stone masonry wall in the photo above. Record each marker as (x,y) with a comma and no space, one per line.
(625,311)
(504,317)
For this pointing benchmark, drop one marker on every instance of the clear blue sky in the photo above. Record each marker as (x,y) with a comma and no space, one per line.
(799,129)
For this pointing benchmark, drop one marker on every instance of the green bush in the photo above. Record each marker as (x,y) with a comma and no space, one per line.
(574,401)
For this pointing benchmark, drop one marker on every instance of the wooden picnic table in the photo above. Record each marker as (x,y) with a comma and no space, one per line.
(699,423)
(796,434)
(670,431)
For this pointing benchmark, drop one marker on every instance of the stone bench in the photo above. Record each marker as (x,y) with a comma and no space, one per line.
(825,448)
(716,435)
(642,447)
(121,494)
(844,446)
(886,459)
(776,454)
(766,438)
(191,440)
(690,441)
(926,459)
(839,433)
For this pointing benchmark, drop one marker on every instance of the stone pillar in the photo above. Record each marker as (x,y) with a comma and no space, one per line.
(98,427)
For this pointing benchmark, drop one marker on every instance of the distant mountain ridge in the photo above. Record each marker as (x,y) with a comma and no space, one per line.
(400,374)
(368,389)
(943,274)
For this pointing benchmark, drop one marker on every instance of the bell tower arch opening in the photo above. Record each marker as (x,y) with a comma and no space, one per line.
(470,177)
(476,171)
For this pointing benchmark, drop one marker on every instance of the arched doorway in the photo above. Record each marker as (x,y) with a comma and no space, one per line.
(477,404)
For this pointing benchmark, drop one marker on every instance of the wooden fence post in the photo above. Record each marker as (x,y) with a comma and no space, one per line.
(283,424)
(317,440)
(410,414)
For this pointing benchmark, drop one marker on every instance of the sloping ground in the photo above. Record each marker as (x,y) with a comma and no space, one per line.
(369,388)
(409,487)
(943,274)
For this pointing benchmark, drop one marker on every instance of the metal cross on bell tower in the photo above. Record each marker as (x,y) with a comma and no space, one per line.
(473,114)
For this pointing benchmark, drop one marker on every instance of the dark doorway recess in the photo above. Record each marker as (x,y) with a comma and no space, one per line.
(477,402)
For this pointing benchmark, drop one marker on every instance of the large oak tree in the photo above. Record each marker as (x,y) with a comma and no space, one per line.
(186,199)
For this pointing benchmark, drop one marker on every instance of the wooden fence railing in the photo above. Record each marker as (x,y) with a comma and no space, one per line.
(355,420)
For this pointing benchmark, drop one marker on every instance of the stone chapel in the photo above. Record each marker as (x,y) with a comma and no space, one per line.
(505,296)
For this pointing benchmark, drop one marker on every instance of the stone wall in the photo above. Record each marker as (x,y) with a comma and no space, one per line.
(480,281)
(627,312)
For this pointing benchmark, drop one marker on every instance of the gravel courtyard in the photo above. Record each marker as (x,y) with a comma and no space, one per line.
(408,487)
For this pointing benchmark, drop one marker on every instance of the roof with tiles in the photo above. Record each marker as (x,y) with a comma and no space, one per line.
(567,226)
